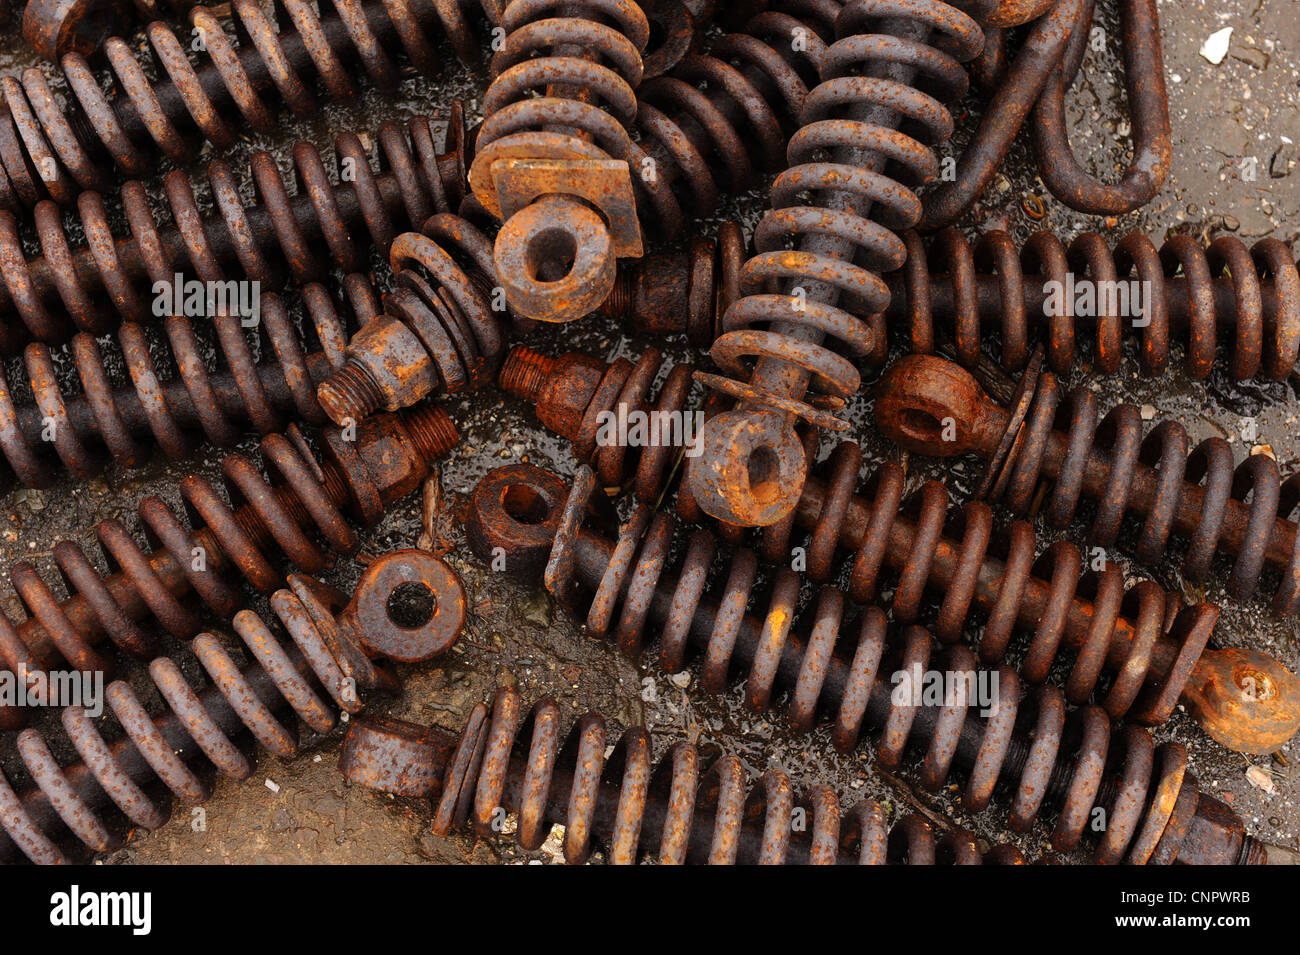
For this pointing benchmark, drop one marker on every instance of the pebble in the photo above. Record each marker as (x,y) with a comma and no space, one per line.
(1215,47)
(1260,779)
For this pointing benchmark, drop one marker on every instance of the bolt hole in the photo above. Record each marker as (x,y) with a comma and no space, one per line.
(550,255)
(764,475)
(920,425)
(525,505)
(411,605)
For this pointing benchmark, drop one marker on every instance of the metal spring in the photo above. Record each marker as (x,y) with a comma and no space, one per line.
(1146,614)
(932,546)
(555,254)
(287,513)
(870,77)
(441,335)
(564,58)
(124,421)
(50,152)
(1252,293)
(308,234)
(202,725)
(1048,759)
(718,115)
(1203,494)
(628,803)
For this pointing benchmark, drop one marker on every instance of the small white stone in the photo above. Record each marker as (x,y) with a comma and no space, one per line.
(1260,779)
(1215,47)
(1148,412)
(272,785)
(682,679)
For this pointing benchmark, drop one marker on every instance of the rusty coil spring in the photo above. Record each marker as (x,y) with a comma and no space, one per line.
(967,542)
(303,236)
(1226,289)
(1049,760)
(441,309)
(165,411)
(720,118)
(569,59)
(321,665)
(933,547)
(630,804)
(288,512)
(548,157)
(967,537)
(1245,509)
(439,335)
(834,235)
(50,152)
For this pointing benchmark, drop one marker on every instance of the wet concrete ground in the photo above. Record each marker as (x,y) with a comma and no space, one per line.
(300,810)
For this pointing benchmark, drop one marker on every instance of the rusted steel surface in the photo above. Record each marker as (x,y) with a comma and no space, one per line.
(1012,13)
(553,167)
(154,410)
(1034,84)
(394,756)
(752,466)
(165,105)
(1246,510)
(419,346)
(89,286)
(1245,298)
(378,625)
(55,27)
(573,393)
(303,502)
(1143,788)
(1017,92)
(438,333)
(627,804)
(321,669)
(1144,82)
(1142,636)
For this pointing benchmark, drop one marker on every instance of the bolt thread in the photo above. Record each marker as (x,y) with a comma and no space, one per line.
(524,372)
(618,303)
(432,430)
(350,393)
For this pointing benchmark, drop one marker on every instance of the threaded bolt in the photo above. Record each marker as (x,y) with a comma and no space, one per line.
(432,430)
(525,372)
(350,393)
